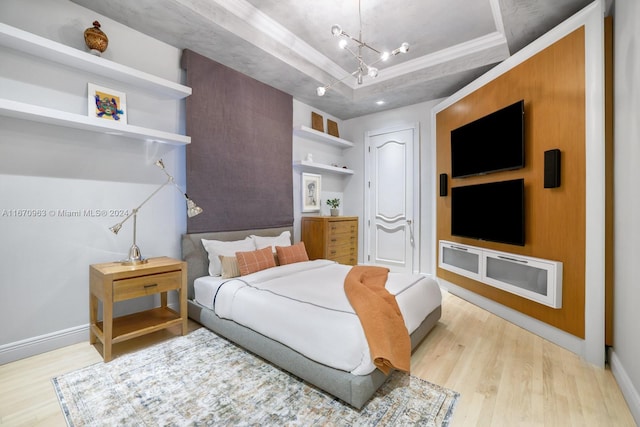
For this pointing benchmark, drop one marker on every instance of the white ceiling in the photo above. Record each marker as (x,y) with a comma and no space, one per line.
(288,43)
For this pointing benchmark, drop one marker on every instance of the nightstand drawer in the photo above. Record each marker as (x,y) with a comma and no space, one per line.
(146,285)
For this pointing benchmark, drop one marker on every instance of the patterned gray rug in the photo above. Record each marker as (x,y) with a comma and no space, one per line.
(202,379)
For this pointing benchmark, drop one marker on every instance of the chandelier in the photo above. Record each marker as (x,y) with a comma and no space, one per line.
(363,68)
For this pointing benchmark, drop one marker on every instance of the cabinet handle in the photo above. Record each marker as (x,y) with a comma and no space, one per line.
(513,259)
(150,286)
(334,240)
(460,248)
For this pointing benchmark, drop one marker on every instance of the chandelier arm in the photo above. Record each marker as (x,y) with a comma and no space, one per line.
(330,85)
(355,55)
(370,47)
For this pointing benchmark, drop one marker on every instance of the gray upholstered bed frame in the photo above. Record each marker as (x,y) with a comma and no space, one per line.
(355,390)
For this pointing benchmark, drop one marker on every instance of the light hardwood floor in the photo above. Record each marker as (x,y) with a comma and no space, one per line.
(505,375)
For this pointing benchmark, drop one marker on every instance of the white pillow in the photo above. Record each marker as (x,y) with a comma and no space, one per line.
(215,248)
(284,239)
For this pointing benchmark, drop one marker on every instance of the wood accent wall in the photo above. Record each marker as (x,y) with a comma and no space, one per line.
(552,84)
(608,81)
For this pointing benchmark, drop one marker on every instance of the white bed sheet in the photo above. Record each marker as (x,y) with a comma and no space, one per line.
(303,306)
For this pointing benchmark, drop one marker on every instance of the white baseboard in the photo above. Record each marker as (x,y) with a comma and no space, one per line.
(43,343)
(629,392)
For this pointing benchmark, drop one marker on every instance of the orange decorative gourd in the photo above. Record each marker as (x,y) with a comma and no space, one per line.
(95,39)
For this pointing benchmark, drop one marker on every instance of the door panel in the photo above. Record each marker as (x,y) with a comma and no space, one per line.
(391,190)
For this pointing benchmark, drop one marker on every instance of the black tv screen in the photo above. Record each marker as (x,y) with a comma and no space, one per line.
(492,212)
(492,143)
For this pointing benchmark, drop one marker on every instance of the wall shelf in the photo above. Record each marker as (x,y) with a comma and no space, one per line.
(320,168)
(57,52)
(21,110)
(307,132)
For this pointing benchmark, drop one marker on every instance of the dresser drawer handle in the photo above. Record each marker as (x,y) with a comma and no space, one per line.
(333,252)
(334,240)
(150,286)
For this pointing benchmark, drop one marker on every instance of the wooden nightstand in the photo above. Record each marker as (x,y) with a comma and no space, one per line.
(112,282)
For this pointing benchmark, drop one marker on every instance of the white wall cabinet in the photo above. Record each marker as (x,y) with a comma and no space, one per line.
(536,279)
(50,50)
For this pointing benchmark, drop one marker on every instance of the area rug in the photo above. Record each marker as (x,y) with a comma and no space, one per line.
(203,379)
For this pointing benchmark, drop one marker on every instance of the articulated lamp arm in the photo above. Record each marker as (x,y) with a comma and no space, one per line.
(192,210)
(134,211)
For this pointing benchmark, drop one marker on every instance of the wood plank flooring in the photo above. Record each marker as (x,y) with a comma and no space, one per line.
(506,376)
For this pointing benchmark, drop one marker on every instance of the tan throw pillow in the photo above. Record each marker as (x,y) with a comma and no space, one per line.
(229,267)
(250,262)
(291,254)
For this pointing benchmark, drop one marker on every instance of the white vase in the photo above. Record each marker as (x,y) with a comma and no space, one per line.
(335,211)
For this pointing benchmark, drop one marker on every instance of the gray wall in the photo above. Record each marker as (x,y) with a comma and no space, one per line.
(626,349)
(44,261)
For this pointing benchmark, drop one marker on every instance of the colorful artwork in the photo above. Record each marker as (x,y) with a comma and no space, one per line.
(107,104)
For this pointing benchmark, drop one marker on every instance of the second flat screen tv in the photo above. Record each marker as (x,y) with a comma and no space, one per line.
(491,143)
(493,211)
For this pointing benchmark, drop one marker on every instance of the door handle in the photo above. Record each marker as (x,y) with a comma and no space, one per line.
(410,224)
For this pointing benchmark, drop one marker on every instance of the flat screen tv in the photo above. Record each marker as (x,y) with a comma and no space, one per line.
(489,144)
(492,212)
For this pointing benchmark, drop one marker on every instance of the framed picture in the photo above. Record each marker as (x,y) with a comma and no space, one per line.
(107,104)
(311,192)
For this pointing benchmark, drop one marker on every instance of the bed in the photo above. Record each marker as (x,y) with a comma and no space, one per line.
(352,388)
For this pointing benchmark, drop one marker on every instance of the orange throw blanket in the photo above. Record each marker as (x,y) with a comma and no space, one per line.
(380,317)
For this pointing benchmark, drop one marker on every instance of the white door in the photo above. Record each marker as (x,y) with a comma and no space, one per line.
(391,197)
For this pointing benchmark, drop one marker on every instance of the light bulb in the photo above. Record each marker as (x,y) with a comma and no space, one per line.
(321,90)
(373,72)
(384,56)
(342,43)
(404,47)
(336,30)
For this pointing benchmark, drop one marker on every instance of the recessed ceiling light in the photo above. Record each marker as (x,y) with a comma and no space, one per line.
(381,102)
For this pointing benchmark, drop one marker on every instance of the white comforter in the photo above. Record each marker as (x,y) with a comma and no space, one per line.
(303,306)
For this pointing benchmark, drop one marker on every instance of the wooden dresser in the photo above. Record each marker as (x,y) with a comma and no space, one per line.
(331,237)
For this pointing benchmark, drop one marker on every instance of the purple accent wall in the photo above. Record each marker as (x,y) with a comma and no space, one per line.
(239,162)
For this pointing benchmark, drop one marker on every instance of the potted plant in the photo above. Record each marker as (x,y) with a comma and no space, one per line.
(334,204)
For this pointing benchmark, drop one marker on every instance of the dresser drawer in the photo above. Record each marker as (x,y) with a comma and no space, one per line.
(341,250)
(346,259)
(343,227)
(146,285)
(342,239)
